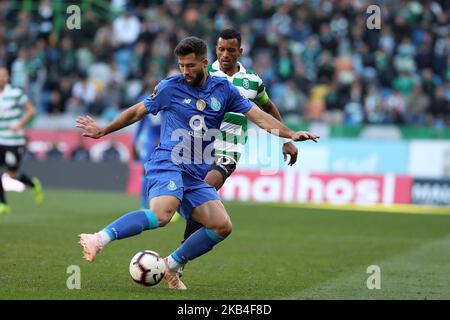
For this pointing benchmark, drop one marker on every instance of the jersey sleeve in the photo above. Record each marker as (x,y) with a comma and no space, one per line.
(159,99)
(236,102)
(261,96)
(22,98)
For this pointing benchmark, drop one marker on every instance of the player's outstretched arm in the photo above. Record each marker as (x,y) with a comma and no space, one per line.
(275,127)
(126,118)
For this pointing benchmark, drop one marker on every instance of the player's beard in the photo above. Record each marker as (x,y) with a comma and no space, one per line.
(198,78)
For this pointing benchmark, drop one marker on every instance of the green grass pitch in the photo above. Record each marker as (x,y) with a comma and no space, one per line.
(273,253)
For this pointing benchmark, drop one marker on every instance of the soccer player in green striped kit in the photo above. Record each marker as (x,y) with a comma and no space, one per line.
(234,126)
(15,112)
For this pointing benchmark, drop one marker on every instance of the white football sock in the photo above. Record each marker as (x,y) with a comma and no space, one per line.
(104,238)
(173,264)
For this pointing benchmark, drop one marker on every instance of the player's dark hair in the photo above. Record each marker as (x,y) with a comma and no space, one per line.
(228,34)
(191,45)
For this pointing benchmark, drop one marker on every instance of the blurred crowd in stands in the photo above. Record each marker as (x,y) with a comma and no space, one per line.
(56,150)
(318,58)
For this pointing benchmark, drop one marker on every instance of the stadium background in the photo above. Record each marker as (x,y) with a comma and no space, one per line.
(380,99)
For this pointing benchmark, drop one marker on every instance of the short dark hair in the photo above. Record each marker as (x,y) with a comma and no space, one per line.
(228,34)
(191,45)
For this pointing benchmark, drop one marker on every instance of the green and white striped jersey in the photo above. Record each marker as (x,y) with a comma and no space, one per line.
(12,101)
(234,125)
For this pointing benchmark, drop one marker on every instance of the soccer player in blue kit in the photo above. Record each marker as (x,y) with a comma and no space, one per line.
(192,105)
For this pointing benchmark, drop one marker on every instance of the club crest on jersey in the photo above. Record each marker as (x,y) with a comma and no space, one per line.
(201,104)
(215,104)
(245,83)
(172,185)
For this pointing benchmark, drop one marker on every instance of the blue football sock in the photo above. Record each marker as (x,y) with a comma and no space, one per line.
(132,224)
(200,242)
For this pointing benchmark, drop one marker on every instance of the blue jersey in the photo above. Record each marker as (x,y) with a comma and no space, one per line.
(191,118)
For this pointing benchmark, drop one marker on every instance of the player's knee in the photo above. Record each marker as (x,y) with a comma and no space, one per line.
(164,209)
(164,217)
(225,229)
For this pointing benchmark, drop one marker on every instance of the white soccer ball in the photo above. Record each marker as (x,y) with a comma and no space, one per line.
(147,268)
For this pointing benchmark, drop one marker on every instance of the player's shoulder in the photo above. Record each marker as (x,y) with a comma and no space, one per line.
(171,81)
(17,91)
(221,84)
(165,85)
(216,80)
(252,75)
(250,71)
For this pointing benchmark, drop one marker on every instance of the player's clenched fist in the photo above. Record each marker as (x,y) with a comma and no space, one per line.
(90,127)
(304,135)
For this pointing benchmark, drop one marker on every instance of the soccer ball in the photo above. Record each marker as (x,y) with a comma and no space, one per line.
(147,268)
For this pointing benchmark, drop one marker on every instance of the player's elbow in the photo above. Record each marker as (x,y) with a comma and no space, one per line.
(258,117)
(136,112)
(261,123)
(256,120)
(30,109)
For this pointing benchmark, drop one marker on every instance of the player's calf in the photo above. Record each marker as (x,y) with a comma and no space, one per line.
(128,225)
(220,170)
(218,226)
(191,227)
(216,233)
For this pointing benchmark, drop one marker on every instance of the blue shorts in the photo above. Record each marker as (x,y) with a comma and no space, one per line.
(170,180)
